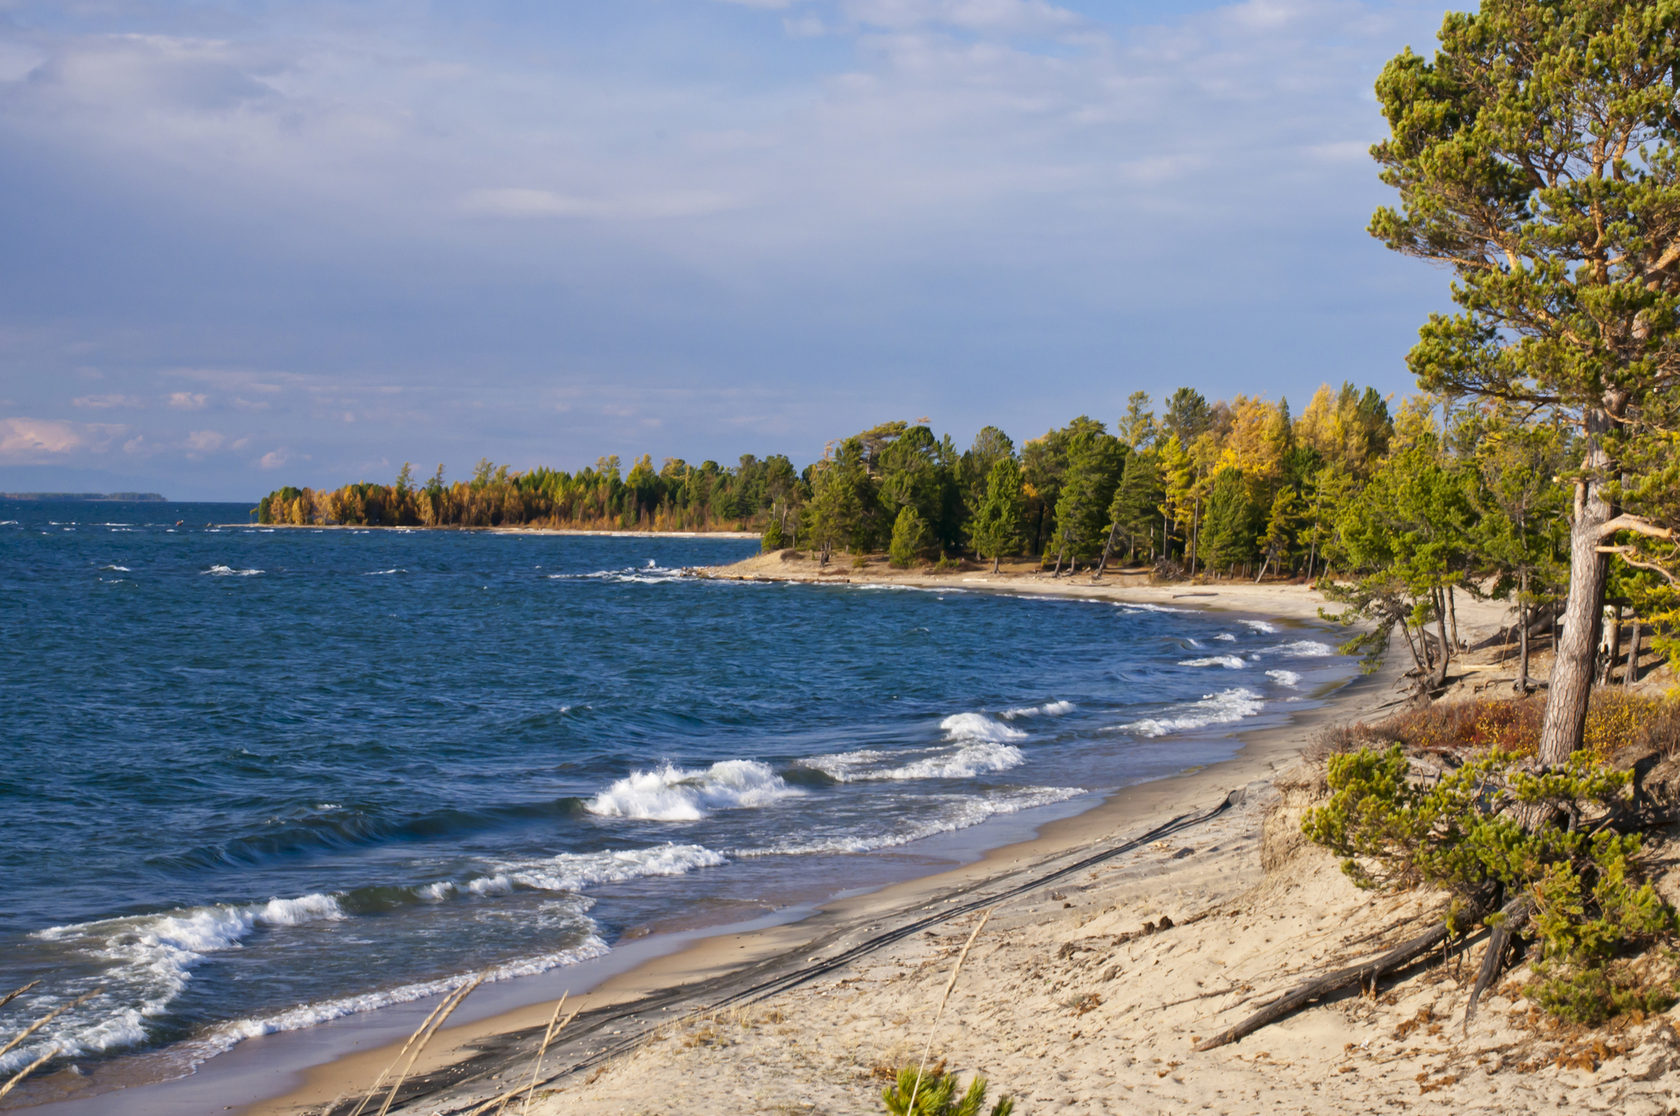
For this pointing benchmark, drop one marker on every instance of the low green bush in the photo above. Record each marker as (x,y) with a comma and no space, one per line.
(936,1095)
(1462,832)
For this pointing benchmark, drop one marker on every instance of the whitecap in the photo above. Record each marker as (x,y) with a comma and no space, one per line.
(1222,708)
(1139,606)
(574,872)
(1229,662)
(1261,626)
(1303,649)
(1226,637)
(1048,709)
(151,960)
(121,569)
(229,571)
(384,573)
(977,726)
(672,793)
(1284,678)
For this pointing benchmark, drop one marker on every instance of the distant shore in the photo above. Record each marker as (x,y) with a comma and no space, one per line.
(563,531)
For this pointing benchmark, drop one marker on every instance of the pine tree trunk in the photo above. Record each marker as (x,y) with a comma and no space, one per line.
(1572,668)
(1452,615)
(1440,676)
(1522,622)
(1612,646)
(1631,674)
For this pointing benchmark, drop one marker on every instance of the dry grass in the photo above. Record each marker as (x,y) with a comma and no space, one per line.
(1616,721)
(956,970)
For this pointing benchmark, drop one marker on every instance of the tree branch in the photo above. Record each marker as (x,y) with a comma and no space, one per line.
(1635,524)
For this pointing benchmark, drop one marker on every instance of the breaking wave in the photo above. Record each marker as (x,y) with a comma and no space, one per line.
(671,793)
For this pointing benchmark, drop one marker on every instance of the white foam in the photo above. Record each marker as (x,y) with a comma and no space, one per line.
(1139,606)
(1226,637)
(934,816)
(1229,662)
(673,793)
(122,569)
(965,763)
(1261,626)
(1048,709)
(385,573)
(1303,649)
(574,872)
(228,1035)
(151,962)
(977,726)
(8,523)
(1223,708)
(1284,678)
(229,571)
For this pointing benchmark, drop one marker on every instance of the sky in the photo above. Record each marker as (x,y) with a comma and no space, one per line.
(246,244)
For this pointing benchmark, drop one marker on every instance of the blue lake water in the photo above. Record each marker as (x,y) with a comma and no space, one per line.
(251,780)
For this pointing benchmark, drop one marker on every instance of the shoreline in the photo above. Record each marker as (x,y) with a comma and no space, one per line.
(687,971)
(726,964)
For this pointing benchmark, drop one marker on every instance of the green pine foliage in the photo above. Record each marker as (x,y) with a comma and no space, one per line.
(997,526)
(1463,833)
(909,538)
(935,1094)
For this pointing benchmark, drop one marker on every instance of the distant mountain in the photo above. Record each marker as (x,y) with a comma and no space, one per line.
(87,497)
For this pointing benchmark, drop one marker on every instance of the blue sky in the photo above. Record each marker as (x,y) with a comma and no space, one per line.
(255,243)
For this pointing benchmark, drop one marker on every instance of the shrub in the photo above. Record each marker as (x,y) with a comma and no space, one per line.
(1461,832)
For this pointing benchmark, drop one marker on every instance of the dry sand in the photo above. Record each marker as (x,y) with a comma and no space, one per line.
(1074,998)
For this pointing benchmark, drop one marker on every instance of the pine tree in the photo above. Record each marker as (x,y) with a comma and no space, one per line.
(996,527)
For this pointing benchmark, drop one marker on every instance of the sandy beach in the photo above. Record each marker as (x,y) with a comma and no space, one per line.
(1115,940)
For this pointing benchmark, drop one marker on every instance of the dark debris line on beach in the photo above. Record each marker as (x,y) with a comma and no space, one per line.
(754,982)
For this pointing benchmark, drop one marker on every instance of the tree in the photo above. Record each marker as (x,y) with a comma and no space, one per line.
(1095,459)
(1136,427)
(1282,521)
(1232,520)
(1134,509)
(1520,512)
(997,523)
(909,537)
(1535,155)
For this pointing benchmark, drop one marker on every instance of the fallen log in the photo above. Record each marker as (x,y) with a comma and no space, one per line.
(1400,955)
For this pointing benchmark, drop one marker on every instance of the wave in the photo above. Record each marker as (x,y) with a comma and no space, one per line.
(229,571)
(122,569)
(1223,708)
(1284,678)
(1261,626)
(1226,637)
(152,959)
(1139,606)
(574,872)
(936,815)
(1302,649)
(1048,709)
(672,793)
(977,726)
(1229,662)
(383,573)
(228,1035)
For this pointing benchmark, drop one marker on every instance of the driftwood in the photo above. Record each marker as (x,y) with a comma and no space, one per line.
(1402,954)
(1512,916)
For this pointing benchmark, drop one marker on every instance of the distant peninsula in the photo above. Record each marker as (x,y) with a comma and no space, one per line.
(88,497)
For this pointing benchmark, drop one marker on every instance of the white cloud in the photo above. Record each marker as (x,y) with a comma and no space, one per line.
(273,459)
(205,441)
(26,441)
(188,400)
